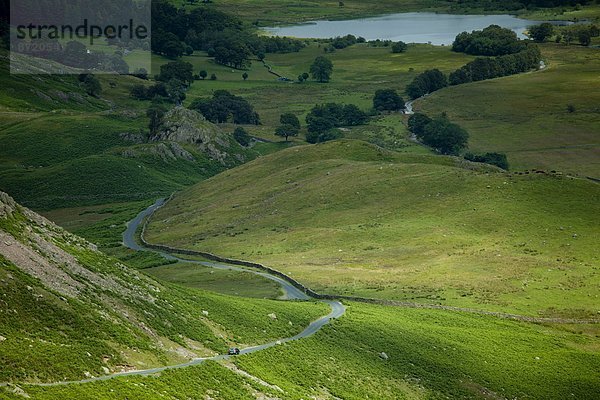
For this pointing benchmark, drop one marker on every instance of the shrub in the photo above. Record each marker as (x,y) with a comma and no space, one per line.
(399,47)
(497,159)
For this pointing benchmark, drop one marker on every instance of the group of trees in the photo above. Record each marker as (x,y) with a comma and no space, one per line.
(341,42)
(225,37)
(225,107)
(491,41)
(426,82)
(583,33)
(497,159)
(439,133)
(172,82)
(323,119)
(493,67)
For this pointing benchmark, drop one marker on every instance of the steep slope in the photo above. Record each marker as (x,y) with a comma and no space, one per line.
(69,312)
(349,218)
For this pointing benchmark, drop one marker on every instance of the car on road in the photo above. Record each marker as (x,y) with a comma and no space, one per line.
(233,351)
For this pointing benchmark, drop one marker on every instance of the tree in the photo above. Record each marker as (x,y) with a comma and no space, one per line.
(245,76)
(290,119)
(585,38)
(321,69)
(180,70)
(91,84)
(541,32)
(417,123)
(242,137)
(286,131)
(138,92)
(353,116)
(213,77)
(399,47)
(140,73)
(155,112)
(203,74)
(300,78)
(444,136)
(167,44)
(320,137)
(387,100)
(176,91)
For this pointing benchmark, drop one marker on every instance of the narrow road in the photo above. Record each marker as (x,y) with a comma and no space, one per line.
(290,293)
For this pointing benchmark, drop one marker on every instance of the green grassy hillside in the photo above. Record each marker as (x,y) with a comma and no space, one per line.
(349,218)
(63,148)
(294,11)
(67,311)
(431,354)
(526,116)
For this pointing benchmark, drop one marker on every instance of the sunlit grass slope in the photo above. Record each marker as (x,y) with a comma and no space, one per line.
(67,311)
(431,354)
(347,217)
(526,116)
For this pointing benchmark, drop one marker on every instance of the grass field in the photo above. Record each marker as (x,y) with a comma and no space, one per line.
(294,11)
(358,72)
(526,116)
(431,355)
(234,283)
(348,218)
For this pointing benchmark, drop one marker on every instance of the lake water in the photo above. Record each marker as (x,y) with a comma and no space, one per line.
(409,27)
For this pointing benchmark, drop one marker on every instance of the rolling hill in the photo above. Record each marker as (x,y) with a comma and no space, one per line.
(349,218)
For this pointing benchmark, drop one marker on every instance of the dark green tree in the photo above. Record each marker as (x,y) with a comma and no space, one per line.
(321,69)
(203,74)
(242,137)
(155,112)
(417,123)
(180,70)
(399,47)
(92,85)
(444,136)
(541,32)
(387,100)
(286,131)
(289,119)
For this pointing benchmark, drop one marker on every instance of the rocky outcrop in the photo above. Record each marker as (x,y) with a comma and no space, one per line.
(7,205)
(181,125)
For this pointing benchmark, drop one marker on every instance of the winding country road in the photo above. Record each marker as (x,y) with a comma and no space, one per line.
(290,293)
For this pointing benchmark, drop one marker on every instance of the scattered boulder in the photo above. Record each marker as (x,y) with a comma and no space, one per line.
(205,313)
(136,138)
(383,356)
(2,338)
(272,316)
